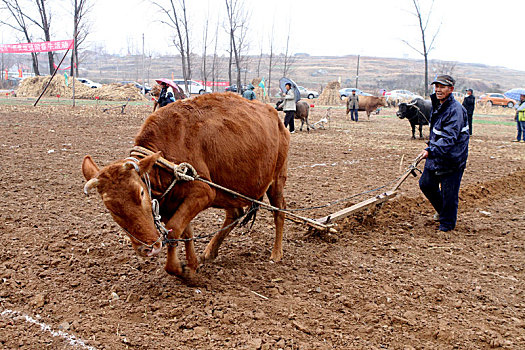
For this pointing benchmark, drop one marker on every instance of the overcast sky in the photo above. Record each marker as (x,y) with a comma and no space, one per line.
(480,31)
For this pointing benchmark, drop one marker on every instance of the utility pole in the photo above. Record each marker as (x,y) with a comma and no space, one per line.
(357,73)
(143,69)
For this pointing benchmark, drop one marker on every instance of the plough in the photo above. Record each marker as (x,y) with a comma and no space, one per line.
(328,220)
(114,107)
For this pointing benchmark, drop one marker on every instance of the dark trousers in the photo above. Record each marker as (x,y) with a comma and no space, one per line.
(288,120)
(442,191)
(354,114)
(521,131)
(469,116)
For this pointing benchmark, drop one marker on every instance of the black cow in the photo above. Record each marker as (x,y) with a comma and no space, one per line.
(417,112)
(302,110)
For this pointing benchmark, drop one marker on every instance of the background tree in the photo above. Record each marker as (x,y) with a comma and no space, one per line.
(176,16)
(270,64)
(45,25)
(20,24)
(237,29)
(288,59)
(423,21)
(204,72)
(81,29)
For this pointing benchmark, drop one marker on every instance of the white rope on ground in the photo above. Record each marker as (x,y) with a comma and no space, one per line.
(71,339)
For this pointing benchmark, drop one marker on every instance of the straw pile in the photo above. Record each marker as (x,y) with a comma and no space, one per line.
(259,92)
(330,95)
(113,92)
(33,87)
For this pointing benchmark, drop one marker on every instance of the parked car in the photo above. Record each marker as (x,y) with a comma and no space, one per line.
(233,88)
(401,95)
(137,85)
(307,93)
(343,93)
(497,99)
(89,83)
(193,86)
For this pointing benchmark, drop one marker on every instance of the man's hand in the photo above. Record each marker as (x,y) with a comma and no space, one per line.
(423,154)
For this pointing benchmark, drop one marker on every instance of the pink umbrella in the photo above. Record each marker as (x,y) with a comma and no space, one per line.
(168,82)
(177,91)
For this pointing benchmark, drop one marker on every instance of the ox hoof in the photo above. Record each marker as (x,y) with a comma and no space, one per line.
(207,257)
(276,257)
(183,272)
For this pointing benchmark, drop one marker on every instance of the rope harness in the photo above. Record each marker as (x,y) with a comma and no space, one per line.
(186,172)
(422,114)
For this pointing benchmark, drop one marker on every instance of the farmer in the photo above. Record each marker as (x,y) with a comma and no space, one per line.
(289,107)
(353,105)
(249,93)
(446,154)
(520,120)
(165,96)
(469,103)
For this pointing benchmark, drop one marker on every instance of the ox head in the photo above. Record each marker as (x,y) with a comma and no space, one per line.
(126,197)
(404,109)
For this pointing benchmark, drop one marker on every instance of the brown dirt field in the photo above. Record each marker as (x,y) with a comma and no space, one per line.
(386,280)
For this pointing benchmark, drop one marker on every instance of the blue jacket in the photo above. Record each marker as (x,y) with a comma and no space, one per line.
(449,136)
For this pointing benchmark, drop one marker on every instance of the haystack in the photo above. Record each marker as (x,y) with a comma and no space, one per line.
(33,87)
(113,92)
(330,95)
(259,91)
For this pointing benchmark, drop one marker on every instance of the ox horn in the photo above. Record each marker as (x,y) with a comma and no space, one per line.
(131,165)
(90,185)
(411,103)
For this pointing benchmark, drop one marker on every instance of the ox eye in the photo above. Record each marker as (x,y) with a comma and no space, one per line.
(141,193)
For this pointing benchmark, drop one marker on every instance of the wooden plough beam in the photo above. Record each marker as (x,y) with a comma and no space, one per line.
(326,220)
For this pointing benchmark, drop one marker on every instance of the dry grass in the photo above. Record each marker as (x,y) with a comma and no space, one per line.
(33,87)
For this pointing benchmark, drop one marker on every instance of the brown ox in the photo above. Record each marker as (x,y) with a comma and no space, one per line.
(239,144)
(302,110)
(369,104)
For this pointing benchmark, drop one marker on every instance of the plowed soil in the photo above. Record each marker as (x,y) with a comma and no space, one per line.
(386,280)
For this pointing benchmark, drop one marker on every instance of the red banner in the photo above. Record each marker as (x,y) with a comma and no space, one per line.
(44,46)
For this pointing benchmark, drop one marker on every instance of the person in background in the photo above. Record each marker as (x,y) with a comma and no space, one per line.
(469,103)
(289,107)
(520,119)
(165,97)
(446,154)
(249,93)
(353,105)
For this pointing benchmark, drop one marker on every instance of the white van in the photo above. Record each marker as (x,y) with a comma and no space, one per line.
(194,87)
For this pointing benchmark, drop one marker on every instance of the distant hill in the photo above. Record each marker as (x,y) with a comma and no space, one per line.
(313,72)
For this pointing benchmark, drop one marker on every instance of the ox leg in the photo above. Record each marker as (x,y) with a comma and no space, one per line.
(173,264)
(421,131)
(276,197)
(413,131)
(189,247)
(212,249)
(302,123)
(368,115)
(180,227)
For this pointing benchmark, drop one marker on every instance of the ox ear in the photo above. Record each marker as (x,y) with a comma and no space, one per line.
(147,163)
(89,168)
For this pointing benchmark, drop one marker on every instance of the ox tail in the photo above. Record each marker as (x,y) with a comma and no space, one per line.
(251,214)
